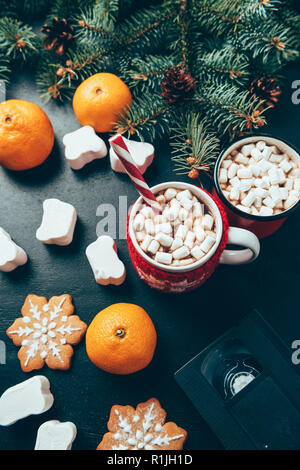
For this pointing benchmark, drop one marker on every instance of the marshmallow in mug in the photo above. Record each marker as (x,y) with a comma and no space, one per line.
(181,235)
(260,180)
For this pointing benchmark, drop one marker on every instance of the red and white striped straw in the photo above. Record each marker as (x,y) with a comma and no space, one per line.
(118,144)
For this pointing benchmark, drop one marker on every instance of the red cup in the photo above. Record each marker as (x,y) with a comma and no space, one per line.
(174,279)
(261,226)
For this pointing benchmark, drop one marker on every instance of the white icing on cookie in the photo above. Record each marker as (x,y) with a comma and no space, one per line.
(43,337)
(144,438)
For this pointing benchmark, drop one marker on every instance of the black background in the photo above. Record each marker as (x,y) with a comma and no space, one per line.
(185,324)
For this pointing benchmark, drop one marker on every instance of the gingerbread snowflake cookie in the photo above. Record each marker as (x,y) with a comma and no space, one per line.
(141,429)
(46,332)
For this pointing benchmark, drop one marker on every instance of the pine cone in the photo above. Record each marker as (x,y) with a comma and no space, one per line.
(60,36)
(267,89)
(177,87)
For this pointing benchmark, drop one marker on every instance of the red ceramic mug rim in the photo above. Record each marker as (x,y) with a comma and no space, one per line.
(233,208)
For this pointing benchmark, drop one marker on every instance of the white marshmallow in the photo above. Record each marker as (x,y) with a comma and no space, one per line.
(31,397)
(275,194)
(177,243)
(285,166)
(164,239)
(197,209)
(166,227)
(200,233)
(170,193)
(284,193)
(146,242)
(297,184)
(240,158)
(261,192)
(243,208)
(140,236)
(246,184)
(266,153)
(256,154)
(269,202)
(244,173)
(181,252)
(234,194)
(82,147)
(182,195)
(189,239)
(261,145)
(232,170)
(197,253)
(226,164)
(183,214)
(181,232)
(54,435)
(58,223)
(147,212)
(153,247)
(141,152)
(223,175)
(249,199)
(149,226)
(184,262)
(208,222)
(266,211)
(164,258)
(104,261)
(138,222)
(11,255)
(247,149)
(290,201)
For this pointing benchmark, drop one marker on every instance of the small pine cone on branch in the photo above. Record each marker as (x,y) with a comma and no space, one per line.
(60,36)
(267,89)
(177,86)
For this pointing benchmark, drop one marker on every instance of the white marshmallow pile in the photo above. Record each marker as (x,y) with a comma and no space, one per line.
(181,235)
(260,180)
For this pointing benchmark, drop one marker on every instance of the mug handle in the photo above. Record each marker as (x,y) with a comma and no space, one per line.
(242,237)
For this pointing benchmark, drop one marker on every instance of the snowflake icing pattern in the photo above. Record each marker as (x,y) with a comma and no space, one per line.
(46,332)
(141,429)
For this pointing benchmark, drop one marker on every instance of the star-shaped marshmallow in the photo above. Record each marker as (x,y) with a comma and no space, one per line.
(58,223)
(83,146)
(11,255)
(142,154)
(104,261)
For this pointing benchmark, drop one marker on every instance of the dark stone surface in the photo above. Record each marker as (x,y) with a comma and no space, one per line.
(185,324)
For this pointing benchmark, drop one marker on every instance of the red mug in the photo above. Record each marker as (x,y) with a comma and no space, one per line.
(261,226)
(173,279)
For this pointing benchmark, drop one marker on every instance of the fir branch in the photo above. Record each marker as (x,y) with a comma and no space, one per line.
(5,69)
(148,118)
(147,72)
(225,65)
(229,110)
(194,145)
